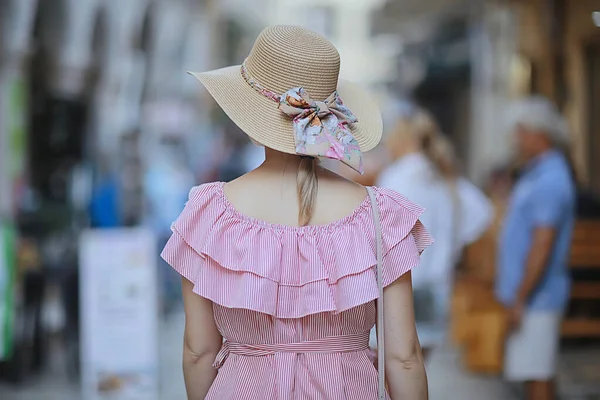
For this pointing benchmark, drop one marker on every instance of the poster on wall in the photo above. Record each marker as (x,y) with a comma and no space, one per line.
(7,286)
(119,318)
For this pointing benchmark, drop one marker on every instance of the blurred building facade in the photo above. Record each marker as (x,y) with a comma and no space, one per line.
(466,60)
(105,69)
(87,90)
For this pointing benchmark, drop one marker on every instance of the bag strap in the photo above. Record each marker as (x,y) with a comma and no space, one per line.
(380,321)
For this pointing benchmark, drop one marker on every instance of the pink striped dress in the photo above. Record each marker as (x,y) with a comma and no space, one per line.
(294,304)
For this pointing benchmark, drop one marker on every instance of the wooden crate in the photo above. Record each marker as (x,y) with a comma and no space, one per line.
(459,313)
(478,325)
(470,295)
(484,349)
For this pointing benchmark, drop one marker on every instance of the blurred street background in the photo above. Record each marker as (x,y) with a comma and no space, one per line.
(102,134)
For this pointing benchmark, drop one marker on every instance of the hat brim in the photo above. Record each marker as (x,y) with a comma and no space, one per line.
(259,117)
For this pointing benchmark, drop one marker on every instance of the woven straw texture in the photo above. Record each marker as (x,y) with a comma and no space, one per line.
(284,57)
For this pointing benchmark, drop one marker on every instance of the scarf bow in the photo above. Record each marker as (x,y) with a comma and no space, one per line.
(321,127)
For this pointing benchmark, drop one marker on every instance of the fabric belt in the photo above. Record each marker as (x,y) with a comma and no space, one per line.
(330,344)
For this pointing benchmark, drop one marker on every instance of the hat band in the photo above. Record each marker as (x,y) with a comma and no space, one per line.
(257,86)
(320,127)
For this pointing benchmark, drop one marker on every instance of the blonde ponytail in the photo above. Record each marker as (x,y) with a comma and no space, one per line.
(434,145)
(438,150)
(307,184)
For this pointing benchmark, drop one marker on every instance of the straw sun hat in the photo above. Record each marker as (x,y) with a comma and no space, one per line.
(286,87)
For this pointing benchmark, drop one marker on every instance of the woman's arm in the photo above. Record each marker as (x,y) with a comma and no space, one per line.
(405,370)
(201,343)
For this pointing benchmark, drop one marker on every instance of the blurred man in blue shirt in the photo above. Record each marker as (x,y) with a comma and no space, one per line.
(533,279)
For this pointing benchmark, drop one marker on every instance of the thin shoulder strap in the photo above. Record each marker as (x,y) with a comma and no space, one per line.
(380,321)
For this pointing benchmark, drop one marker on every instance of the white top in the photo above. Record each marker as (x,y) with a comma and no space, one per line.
(453,219)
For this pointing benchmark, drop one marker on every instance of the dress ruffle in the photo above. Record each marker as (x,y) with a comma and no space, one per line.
(290,272)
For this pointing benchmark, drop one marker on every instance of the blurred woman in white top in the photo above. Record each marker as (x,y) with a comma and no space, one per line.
(457,213)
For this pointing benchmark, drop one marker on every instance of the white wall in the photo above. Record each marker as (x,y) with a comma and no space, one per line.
(493,47)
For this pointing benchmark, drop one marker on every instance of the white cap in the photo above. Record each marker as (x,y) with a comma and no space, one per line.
(539,114)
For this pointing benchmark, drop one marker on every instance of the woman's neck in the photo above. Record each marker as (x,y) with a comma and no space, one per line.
(276,160)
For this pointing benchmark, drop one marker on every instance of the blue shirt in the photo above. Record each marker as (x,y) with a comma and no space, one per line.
(544,196)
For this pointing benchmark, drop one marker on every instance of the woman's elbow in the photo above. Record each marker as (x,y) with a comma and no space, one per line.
(412,363)
(409,358)
(199,354)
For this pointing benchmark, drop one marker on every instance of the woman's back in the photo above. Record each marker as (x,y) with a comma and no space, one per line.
(302,297)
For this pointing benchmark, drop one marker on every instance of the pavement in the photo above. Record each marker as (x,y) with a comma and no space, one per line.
(56,385)
(447,379)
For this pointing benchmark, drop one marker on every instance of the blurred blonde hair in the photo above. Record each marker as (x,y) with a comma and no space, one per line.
(421,126)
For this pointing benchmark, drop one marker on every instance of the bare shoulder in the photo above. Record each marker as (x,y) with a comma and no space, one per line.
(341,186)
(241,184)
